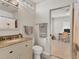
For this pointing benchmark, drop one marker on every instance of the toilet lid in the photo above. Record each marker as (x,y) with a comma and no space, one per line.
(36,47)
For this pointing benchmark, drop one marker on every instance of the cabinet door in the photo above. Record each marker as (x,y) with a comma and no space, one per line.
(12,55)
(13,52)
(8,53)
(26,50)
(3,53)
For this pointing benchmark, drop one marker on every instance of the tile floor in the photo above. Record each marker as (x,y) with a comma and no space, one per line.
(50,57)
(61,50)
(78,55)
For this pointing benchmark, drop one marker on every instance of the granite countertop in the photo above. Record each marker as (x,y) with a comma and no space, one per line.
(14,41)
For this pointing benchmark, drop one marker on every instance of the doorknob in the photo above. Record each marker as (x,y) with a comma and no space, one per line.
(26,45)
(11,52)
(52,37)
(50,34)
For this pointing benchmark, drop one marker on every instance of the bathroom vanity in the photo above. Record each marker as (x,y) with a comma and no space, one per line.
(16,49)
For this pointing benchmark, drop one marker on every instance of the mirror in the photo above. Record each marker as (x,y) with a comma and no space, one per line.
(8,17)
(7,23)
(8,14)
(61,35)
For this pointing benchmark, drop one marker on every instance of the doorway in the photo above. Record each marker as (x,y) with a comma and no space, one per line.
(61,32)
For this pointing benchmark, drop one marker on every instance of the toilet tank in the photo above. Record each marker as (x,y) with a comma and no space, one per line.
(43,42)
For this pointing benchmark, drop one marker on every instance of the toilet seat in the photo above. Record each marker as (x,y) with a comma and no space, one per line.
(37,48)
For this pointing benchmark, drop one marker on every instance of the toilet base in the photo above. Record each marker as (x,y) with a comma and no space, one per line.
(37,57)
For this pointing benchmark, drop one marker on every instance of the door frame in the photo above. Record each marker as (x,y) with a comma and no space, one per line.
(72,22)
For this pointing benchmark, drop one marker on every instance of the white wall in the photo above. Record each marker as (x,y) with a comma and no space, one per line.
(42,14)
(26,17)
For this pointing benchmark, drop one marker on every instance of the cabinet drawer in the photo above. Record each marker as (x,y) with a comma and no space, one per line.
(21,50)
(25,44)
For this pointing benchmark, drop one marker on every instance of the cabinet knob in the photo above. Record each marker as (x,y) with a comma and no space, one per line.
(26,45)
(11,52)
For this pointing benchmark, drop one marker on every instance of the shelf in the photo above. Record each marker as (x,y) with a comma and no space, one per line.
(4,5)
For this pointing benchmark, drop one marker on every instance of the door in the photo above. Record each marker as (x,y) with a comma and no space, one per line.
(76,31)
(61,32)
(12,55)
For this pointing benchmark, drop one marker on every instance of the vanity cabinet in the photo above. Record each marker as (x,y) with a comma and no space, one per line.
(21,50)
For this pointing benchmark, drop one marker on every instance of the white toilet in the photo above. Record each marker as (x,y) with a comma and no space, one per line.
(37,51)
